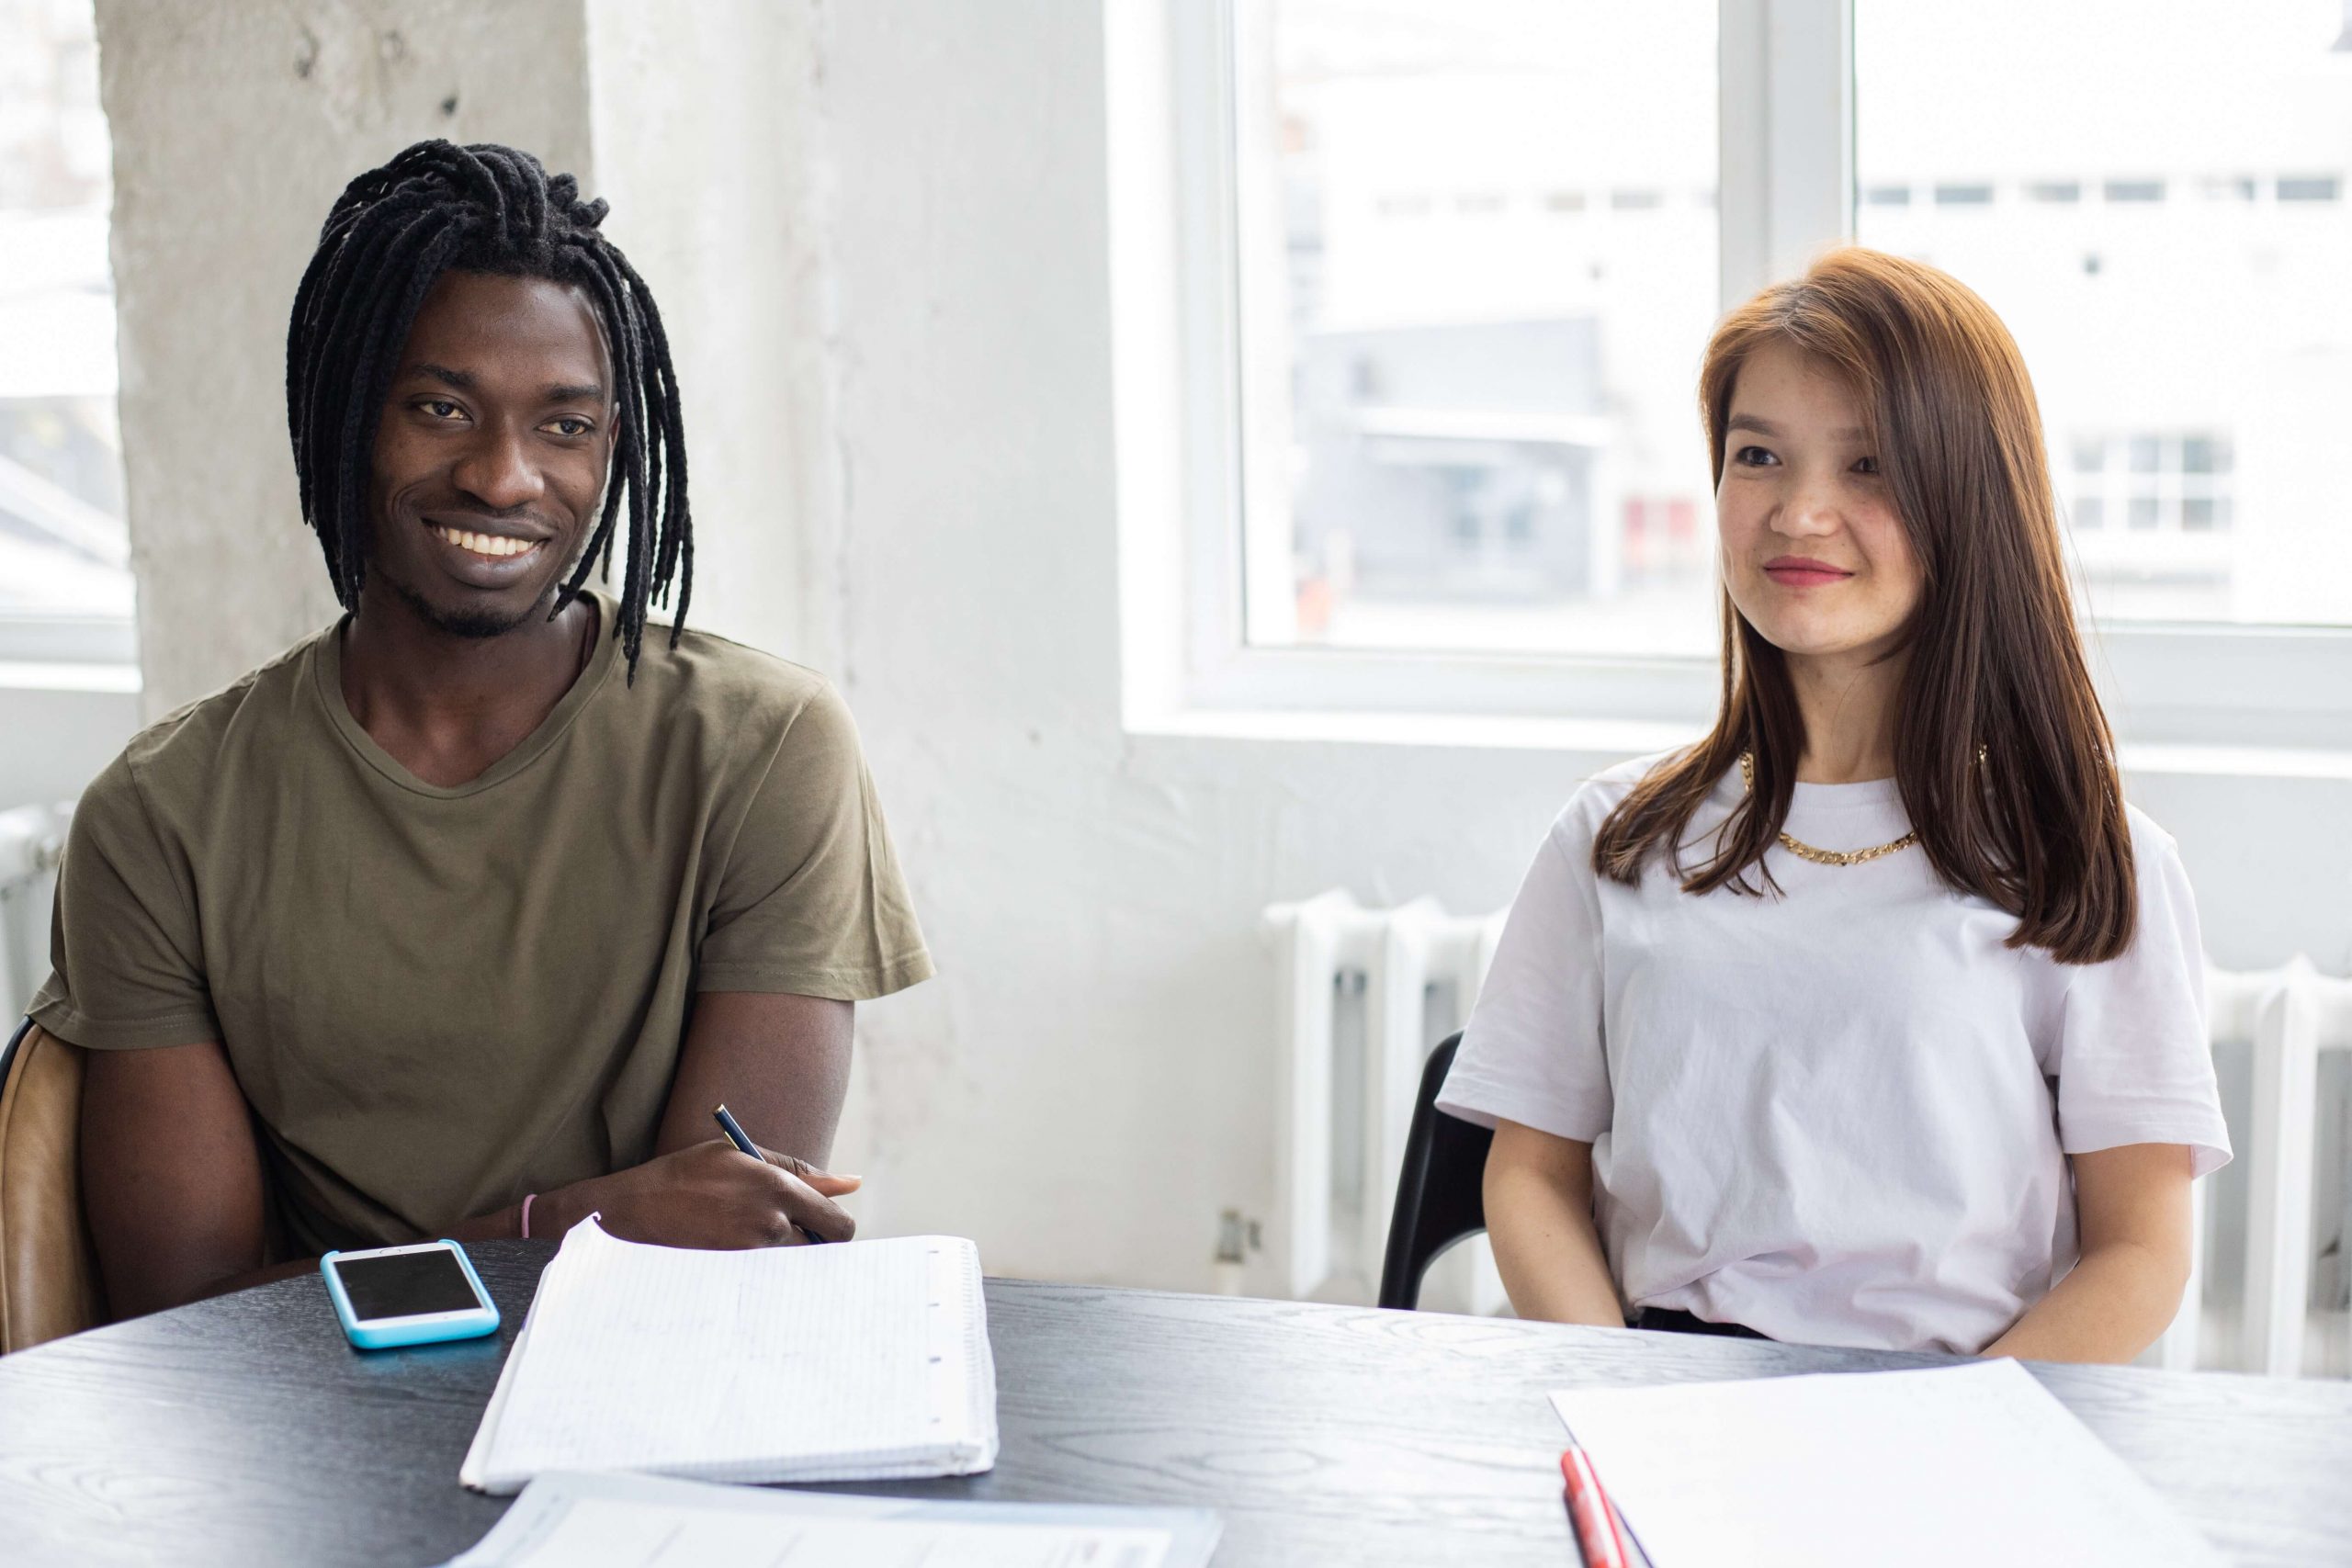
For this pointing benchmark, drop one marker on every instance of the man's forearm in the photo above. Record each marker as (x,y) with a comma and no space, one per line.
(548,1219)
(251,1277)
(780,1062)
(553,1211)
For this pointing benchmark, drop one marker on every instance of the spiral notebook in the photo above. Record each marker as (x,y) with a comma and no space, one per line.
(851,1361)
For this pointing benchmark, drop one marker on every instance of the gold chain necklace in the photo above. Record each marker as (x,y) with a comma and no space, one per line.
(1804,850)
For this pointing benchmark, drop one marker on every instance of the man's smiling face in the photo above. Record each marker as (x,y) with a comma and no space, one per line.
(492,451)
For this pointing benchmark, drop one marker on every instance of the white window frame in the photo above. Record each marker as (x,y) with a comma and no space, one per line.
(1184,333)
(36,637)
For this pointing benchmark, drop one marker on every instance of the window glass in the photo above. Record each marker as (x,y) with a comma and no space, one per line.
(1498,232)
(63,547)
(2162,225)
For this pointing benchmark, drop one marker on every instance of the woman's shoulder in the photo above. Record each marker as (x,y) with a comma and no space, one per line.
(2148,835)
(1600,794)
(2155,858)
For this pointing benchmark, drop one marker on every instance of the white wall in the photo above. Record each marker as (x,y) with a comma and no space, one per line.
(56,733)
(708,145)
(923,503)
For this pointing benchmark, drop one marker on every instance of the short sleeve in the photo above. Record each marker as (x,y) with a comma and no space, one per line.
(1532,1051)
(126,950)
(810,900)
(2132,1059)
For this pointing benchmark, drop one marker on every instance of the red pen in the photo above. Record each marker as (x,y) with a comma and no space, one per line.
(1596,1521)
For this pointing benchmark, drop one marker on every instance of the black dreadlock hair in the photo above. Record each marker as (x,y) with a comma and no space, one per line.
(439,207)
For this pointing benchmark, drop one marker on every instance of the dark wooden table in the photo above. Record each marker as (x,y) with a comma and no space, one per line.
(244,1430)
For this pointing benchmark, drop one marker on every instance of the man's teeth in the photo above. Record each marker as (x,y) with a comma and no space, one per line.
(486,544)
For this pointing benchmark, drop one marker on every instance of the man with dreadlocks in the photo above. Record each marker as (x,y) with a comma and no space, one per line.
(460,916)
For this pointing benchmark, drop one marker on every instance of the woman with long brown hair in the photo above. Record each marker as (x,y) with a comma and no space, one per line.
(1874,1018)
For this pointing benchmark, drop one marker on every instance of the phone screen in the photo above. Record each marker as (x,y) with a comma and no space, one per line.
(406,1284)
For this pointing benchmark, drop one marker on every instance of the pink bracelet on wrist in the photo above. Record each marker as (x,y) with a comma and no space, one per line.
(527,1214)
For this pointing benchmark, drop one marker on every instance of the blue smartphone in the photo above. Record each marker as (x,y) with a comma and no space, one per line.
(416,1294)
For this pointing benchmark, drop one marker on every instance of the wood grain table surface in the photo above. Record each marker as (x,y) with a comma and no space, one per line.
(245,1430)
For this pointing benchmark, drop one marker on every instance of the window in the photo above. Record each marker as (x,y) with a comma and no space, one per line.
(1422,287)
(2139,504)
(2201,374)
(65,588)
(1473,427)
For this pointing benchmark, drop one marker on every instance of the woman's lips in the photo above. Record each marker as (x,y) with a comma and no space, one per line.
(1803,573)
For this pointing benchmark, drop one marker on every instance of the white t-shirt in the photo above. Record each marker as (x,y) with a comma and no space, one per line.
(1840,1115)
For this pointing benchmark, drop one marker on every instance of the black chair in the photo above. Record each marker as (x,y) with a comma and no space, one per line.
(1438,1193)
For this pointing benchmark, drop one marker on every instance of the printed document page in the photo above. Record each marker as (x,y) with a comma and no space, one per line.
(1946,1467)
(567,1520)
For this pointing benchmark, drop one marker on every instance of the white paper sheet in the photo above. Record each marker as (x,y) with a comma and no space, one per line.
(564,1520)
(849,1361)
(1947,1467)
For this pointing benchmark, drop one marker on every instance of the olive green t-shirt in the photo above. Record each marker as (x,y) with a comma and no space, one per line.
(437,1000)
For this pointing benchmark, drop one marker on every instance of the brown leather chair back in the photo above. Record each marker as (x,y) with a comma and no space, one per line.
(48,1272)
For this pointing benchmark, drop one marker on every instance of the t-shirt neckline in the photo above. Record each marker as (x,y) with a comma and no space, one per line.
(327,668)
(1845,797)
(1835,816)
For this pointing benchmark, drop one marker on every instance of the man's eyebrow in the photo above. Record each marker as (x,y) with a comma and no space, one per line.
(1767,428)
(463,380)
(466,381)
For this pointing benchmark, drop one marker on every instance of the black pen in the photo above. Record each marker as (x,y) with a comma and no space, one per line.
(736,1136)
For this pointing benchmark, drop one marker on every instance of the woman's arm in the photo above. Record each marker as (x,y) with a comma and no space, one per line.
(2133,1203)
(1539,1216)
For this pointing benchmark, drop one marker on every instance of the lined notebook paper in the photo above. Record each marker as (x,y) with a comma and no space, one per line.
(1946,1467)
(844,1362)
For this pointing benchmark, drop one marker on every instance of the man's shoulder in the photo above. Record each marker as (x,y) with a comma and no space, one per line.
(708,680)
(191,739)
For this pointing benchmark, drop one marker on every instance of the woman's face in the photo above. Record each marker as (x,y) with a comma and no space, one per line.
(1812,552)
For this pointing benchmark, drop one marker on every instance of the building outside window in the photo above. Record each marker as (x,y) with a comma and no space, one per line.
(1499,223)
(2186,322)
(1500,265)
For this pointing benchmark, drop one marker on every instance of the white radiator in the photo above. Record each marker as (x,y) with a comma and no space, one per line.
(2285,1016)
(1349,1075)
(32,837)
(1339,1146)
